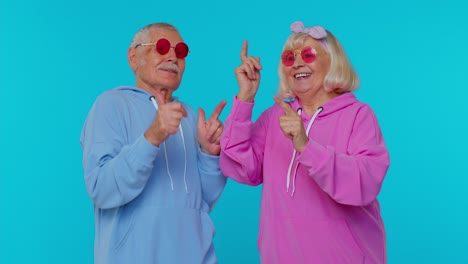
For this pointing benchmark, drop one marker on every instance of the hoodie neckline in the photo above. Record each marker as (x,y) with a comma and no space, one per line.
(331,106)
(145,93)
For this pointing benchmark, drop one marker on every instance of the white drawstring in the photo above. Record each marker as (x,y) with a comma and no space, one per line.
(185,156)
(155,104)
(288,178)
(167,166)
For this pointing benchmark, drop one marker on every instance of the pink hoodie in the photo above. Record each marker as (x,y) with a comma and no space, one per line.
(326,210)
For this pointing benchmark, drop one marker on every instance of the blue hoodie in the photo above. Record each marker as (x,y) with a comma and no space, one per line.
(151,204)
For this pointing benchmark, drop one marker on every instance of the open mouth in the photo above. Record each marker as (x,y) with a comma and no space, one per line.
(302,75)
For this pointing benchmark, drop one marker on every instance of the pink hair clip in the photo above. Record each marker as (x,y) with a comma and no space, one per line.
(316,32)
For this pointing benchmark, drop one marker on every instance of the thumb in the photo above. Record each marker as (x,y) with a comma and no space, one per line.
(159,97)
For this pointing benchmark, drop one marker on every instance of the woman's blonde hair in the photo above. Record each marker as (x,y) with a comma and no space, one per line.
(341,76)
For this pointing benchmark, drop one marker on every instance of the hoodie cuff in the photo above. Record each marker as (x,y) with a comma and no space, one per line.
(312,156)
(144,152)
(241,111)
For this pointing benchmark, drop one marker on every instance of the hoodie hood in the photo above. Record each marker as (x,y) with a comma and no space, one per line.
(140,92)
(336,104)
(132,89)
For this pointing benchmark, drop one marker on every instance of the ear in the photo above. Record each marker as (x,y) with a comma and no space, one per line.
(132,58)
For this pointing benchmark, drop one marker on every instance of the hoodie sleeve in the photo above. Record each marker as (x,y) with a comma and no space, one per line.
(115,171)
(242,144)
(212,179)
(354,177)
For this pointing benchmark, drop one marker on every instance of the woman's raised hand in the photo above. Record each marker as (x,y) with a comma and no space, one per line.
(248,75)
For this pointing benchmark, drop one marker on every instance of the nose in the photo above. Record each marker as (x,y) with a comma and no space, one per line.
(170,55)
(298,61)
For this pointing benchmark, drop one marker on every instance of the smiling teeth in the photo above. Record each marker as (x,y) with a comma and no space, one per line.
(300,75)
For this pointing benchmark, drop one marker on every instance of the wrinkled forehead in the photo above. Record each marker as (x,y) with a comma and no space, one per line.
(171,35)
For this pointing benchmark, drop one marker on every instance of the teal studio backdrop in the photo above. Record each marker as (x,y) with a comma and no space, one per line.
(56,57)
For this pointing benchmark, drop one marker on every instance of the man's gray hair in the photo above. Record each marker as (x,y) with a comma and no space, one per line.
(143,36)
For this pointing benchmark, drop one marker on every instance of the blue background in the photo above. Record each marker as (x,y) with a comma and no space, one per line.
(57,56)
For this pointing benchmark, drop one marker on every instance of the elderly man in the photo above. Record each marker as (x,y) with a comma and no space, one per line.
(151,168)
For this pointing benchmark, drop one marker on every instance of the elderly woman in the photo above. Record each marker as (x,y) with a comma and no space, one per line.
(320,155)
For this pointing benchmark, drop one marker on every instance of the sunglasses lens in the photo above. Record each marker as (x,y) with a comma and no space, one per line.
(287,58)
(308,55)
(163,46)
(181,50)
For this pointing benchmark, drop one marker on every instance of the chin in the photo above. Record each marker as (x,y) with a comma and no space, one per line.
(171,87)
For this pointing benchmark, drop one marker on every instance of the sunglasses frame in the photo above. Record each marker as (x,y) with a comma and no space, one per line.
(155,44)
(314,52)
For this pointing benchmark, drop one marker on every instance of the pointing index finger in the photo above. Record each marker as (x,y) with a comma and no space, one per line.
(245,47)
(218,110)
(286,107)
